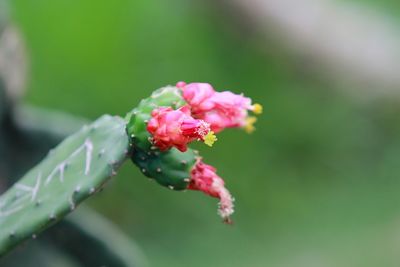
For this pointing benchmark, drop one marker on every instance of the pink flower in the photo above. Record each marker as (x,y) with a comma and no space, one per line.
(176,128)
(220,109)
(229,111)
(198,96)
(205,179)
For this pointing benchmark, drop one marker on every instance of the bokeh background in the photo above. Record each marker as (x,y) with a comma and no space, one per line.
(316,185)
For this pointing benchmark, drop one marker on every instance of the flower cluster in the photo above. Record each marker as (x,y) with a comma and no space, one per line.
(207,112)
(220,109)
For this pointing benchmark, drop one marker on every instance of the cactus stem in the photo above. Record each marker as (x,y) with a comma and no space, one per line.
(62,180)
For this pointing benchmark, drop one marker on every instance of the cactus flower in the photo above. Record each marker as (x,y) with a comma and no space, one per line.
(220,109)
(176,128)
(198,96)
(205,179)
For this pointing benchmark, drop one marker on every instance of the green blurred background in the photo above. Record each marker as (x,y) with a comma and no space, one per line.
(316,185)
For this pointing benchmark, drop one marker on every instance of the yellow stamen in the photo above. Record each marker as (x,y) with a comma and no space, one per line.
(257,109)
(210,139)
(249,127)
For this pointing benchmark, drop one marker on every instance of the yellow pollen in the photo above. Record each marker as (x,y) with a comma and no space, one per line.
(210,139)
(249,127)
(257,109)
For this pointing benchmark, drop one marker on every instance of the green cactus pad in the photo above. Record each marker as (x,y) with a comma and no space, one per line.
(73,171)
(171,168)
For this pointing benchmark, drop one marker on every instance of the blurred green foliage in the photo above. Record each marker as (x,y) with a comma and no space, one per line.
(316,185)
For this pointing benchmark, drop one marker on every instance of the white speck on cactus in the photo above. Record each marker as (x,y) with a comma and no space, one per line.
(72,203)
(77,189)
(32,190)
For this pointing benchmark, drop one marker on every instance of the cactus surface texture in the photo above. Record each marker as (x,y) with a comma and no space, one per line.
(171,168)
(73,171)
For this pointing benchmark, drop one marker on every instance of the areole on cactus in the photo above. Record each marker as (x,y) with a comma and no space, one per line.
(155,135)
